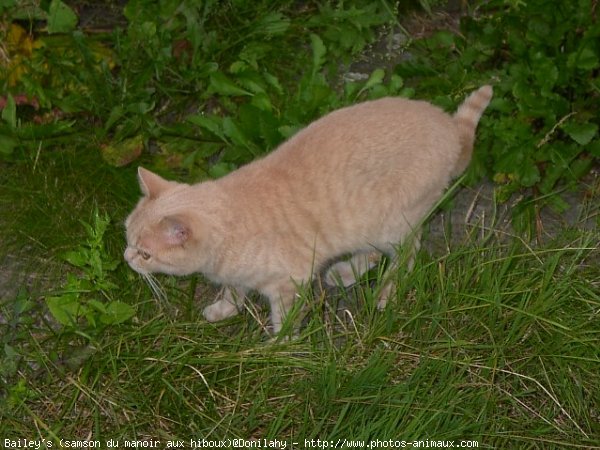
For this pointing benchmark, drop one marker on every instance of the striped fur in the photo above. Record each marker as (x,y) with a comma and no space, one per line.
(356,182)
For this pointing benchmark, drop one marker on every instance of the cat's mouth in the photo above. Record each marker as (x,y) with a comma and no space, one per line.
(132,256)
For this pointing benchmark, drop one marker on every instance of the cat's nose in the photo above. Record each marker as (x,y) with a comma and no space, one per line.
(129,254)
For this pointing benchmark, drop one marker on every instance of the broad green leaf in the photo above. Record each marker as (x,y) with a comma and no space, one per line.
(105,285)
(117,312)
(221,84)
(10,352)
(7,144)
(238,67)
(580,167)
(262,102)
(538,30)
(553,173)
(273,24)
(220,169)
(233,132)
(95,265)
(594,148)
(582,133)
(288,131)
(61,18)
(22,303)
(9,113)
(273,82)
(147,30)
(111,265)
(97,305)
(251,81)
(115,114)
(557,203)
(65,308)
(378,91)
(319,50)
(375,79)
(502,104)
(444,39)
(528,173)
(6,4)
(545,70)
(210,123)
(248,122)
(23,10)
(584,59)
(101,223)
(253,52)
(269,132)
(396,83)
(351,89)
(77,258)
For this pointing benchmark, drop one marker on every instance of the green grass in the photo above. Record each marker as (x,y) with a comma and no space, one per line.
(492,341)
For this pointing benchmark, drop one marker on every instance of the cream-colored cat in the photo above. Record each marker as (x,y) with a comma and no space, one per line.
(357,181)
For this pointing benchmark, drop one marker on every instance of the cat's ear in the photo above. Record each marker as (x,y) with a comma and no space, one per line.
(175,230)
(151,184)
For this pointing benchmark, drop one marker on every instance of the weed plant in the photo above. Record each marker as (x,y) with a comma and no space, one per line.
(493,340)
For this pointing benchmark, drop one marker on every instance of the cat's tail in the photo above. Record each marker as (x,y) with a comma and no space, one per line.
(466,119)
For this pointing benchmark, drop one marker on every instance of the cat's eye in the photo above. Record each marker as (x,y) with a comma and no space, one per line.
(144,255)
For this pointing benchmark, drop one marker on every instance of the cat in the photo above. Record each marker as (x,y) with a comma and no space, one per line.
(356,182)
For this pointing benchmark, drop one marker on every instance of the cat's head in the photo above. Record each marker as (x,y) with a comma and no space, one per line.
(159,230)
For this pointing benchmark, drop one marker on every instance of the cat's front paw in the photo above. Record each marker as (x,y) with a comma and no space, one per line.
(219,310)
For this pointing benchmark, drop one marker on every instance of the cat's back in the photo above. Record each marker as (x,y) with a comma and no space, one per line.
(393,136)
(388,116)
(385,109)
(385,129)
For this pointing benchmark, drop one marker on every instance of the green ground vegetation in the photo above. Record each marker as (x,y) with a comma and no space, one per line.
(493,339)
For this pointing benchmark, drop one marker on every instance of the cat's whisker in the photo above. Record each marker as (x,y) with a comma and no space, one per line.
(155,287)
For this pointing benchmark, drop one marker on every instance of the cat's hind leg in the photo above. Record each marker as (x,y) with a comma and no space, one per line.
(228,304)
(282,297)
(388,288)
(348,272)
